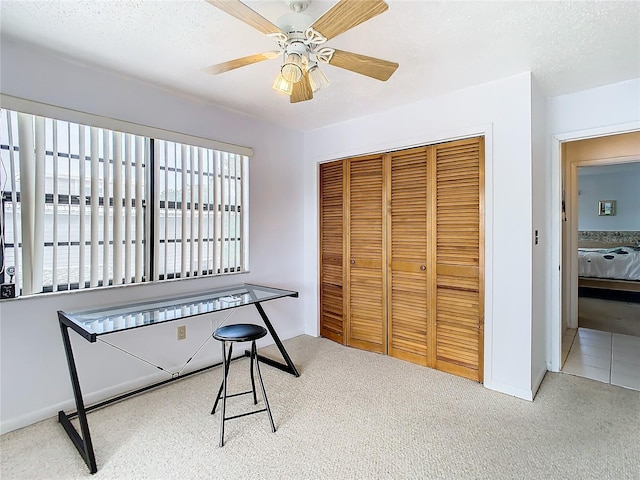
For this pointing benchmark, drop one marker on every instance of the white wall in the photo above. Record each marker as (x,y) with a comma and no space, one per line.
(502,111)
(597,108)
(622,186)
(595,112)
(35,381)
(541,252)
(284,218)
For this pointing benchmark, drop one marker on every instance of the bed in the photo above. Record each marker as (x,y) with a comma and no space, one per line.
(610,267)
(618,263)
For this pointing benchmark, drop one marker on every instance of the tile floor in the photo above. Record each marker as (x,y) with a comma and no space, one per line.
(607,357)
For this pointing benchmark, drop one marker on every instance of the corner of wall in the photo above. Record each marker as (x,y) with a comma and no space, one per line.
(541,231)
(537,378)
(507,389)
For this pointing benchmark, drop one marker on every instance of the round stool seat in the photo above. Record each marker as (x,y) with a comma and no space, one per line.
(240,332)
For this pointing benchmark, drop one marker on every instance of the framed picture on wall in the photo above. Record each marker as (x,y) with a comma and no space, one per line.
(607,207)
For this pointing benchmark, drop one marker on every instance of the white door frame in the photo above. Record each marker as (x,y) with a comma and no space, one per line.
(554,333)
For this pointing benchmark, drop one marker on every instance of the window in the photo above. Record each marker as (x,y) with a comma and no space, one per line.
(91,206)
(199,210)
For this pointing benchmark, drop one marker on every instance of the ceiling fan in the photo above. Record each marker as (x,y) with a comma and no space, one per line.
(301,43)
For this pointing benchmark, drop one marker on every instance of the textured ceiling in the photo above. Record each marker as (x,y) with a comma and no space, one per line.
(440,46)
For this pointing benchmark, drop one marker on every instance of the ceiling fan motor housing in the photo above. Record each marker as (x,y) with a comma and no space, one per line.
(297,46)
(294,22)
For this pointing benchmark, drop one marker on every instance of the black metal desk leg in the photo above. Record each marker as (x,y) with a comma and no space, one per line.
(289,367)
(82,443)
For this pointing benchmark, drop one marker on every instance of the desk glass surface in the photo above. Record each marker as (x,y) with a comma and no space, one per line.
(124,317)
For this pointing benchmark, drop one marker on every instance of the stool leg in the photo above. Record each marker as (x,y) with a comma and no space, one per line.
(253,382)
(224,390)
(225,364)
(264,393)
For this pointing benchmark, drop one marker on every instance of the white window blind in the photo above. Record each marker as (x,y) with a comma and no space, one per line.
(75,214)
(199,207)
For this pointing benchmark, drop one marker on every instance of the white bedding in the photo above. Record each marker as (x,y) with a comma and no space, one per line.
(622,263)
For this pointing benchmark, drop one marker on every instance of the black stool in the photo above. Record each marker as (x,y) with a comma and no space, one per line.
(242,332)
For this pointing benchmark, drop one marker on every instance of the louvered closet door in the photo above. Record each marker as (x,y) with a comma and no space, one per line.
(331,247)
(366,327)
(459,257)
(409,270)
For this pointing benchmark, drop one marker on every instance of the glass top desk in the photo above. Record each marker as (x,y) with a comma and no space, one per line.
(90,324)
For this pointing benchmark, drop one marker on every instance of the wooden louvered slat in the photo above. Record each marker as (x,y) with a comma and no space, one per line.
(401,211)
(366,326)
(331,320)
(458,254)
(457,307)
(332,274)
(458,350)
(408,290)
(458,283)
(332,324)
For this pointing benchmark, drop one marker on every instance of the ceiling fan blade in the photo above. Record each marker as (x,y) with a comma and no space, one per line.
(347,14)
(249,16)
(239,62)
(301,90)
(369,66)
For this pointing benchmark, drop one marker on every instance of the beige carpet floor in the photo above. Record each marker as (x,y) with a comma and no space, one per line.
(350,415)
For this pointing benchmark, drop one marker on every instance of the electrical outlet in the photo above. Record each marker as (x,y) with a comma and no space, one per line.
(182,332)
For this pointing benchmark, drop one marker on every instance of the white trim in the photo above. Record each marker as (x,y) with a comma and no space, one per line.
(571,209)
(406,143)
(488,255)
(523,393)
(555,324)
(537,381)
(66,114)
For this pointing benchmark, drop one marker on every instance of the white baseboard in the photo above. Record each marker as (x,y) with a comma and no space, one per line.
(89,399)
(518,392)
(537,380)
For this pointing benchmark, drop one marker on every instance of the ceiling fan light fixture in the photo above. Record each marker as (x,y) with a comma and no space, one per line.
(282,85)
(301,40)
(292,68)
(317,78)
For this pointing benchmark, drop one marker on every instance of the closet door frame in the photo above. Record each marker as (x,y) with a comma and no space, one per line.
(431,265)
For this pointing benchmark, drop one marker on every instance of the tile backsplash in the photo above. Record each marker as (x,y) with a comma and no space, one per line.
(629,237)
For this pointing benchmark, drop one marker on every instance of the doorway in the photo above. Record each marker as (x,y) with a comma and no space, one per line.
(601,304)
